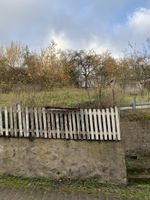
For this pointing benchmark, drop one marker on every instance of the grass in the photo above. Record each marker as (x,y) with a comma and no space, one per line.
(135,115)
(128,99)
(66,97)
(131,192)
(142,161)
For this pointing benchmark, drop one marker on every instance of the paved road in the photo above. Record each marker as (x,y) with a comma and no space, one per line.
(14,194)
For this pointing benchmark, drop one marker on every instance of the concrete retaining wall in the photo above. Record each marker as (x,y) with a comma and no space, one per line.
(59,159)
(136,137)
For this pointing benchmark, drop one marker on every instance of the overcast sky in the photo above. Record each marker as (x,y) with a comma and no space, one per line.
(75,24)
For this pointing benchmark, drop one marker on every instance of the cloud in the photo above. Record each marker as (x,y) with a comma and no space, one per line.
(85,24)
(137,25)
(60,39)
(140,22)
(136,29)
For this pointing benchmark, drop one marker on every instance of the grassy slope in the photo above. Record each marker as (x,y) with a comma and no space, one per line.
(135,115)
(68,97)
(131,192)
(64,97)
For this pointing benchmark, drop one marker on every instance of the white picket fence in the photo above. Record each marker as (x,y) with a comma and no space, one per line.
(81,124)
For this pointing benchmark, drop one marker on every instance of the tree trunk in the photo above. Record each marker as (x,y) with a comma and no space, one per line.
(86,82)
(113,96)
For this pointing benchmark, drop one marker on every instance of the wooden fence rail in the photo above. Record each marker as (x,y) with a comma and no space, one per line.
(82,124)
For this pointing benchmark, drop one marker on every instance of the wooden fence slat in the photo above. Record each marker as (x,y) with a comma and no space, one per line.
(6,121)
(100,125)
(1,123)
(31,122)
(82,123)
(117,123)
(113,123)
(20,120)
(44,122)
(62,135)
(57,125)
(11,121)
(91,124)
(53,124)
(24,122)
(87,124)
(74,125)
(70,125)
(86,121)
(95,123)
(104,124)
(78,124)
(108,124)
(49,125)
(66,125)
(40,122)
(27,121)
(15,120)
(36,122)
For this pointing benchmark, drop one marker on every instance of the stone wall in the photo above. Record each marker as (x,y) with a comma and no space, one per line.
(136,137)
(59,159)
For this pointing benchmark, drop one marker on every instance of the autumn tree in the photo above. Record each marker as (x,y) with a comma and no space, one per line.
(32,65)
(125,73)
(106,73)
(49,65)
(140,62)
(11,64)
(68,71)
(85,63)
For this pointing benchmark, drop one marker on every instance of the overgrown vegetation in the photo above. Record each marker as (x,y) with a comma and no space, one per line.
(33,77)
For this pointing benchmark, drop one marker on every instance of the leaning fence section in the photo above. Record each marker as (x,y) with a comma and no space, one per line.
(80,124)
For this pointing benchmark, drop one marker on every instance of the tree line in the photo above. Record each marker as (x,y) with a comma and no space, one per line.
(52,67)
